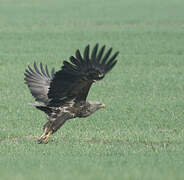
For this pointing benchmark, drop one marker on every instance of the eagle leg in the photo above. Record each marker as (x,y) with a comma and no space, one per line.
(44,137)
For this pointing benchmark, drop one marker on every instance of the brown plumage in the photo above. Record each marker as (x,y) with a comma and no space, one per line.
(63,94)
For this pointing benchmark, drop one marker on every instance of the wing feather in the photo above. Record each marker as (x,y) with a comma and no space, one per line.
(106,56)
(52,73)
(38,82)
(78,56)
(108,68)
(36,69)
(75,78)
(98,58)
(47,71)
(74,61)
(110,62)
(42,70)
(94,51)
(86,53)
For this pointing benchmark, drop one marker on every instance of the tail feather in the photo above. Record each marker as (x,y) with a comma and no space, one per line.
(43,108)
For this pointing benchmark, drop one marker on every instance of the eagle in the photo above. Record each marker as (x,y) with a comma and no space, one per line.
(62,95)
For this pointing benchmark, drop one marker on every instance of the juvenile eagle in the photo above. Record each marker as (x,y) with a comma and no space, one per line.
(63,94)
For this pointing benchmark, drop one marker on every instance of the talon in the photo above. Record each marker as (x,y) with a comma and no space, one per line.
(44,138)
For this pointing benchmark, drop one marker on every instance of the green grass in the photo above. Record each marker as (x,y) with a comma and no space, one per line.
(140,134)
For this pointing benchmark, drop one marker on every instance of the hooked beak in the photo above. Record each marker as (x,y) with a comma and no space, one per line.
(102,105)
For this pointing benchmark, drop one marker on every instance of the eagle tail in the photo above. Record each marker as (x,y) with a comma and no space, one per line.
(43,108)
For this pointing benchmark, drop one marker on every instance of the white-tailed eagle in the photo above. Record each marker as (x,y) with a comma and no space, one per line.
(62,95)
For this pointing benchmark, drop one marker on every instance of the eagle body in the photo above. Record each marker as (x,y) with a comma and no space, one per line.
(58,115)
(62,94)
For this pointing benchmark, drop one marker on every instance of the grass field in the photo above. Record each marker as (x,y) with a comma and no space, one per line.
(140,135)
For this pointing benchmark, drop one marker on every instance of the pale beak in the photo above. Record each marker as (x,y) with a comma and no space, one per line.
(102,105)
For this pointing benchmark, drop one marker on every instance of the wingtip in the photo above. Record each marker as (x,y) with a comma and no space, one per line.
(117,52)
(96,45)
(87,46)
(86,53)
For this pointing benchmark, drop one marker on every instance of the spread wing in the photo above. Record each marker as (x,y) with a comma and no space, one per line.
(38,82)
(75,78)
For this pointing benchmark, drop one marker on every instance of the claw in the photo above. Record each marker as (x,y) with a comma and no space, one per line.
(44,138)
